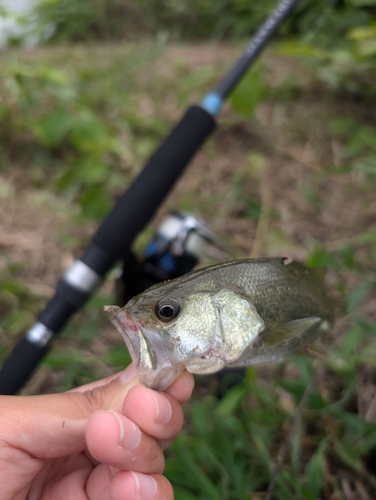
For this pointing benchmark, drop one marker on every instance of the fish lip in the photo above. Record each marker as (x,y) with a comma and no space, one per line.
(139,347)
(133,343)
(129,330)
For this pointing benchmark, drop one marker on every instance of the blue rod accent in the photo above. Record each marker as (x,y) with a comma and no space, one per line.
(212,103)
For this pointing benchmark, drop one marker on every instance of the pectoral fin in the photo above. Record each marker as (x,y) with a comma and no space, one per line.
(282,340)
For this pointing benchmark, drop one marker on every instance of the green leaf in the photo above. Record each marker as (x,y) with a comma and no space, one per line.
(118,356)
(356,296)
(367,236)
(287,480)
(183,494)
(14,286)
(363,3)
(60,359)
(231,401)
(91,170)
(197,477)
(3,110)
(347,256)
(53,128)
(3,351)
(305,366)
(297,49)
(295,387)
(207,453)
(296,448)
(99,300)
(89,133)
(262,452)
(248,94)
(367,164)
(250,373)
(346,454)
(201,418)
(319,257)
(53,75)
(367,48)
(356,424)
(350,341)
(314,470)
(17,321)
(95,202)
(88,330)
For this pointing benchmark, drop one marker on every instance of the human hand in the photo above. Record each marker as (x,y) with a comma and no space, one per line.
(102,441)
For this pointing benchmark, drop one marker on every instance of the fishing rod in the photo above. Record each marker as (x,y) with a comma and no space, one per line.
(132,212)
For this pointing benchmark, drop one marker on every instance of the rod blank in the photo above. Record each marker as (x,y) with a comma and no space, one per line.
(261,38)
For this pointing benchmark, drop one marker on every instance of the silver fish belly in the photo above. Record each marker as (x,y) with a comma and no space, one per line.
(234,314)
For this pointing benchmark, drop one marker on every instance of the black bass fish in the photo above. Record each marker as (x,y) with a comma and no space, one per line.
(238,313)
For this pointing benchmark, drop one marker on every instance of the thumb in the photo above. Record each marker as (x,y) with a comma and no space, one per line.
(53,425)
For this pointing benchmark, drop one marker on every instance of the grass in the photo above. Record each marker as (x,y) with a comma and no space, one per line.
(289,171)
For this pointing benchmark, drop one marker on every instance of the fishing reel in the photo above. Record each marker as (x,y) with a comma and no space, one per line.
(175,249)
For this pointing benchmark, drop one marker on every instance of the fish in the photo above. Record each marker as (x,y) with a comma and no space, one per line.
(233,314)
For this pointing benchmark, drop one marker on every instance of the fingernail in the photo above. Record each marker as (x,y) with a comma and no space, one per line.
(146,486)
(163,408)
(130,434)
(128,374)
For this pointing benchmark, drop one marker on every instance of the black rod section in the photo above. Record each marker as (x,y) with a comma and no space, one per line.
(138,205)
(20,365)
(258,42)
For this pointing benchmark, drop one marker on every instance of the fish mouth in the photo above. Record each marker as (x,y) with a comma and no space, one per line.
(138,345)
(153,366)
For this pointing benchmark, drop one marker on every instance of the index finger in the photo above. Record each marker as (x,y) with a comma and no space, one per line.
(125,376)
(182,387)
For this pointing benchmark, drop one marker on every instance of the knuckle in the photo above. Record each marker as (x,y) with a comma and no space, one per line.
(156,458)
(92,399)
(177,418)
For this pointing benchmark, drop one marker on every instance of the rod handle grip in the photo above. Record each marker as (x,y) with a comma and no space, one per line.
(18,367)
(138,204)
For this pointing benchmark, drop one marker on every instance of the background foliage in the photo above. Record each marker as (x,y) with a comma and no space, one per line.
(291,169)
(177,19)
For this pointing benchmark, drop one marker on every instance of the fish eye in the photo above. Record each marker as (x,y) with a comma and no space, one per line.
(167,309)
